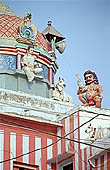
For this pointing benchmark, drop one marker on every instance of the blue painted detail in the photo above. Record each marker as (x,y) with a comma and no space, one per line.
(45,71)
(7,62)
(27,33)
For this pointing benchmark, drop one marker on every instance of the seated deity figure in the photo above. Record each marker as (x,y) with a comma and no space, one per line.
(30,66)
(91,93)
(26,29)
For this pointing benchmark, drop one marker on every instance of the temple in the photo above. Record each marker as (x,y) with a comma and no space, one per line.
(40,126)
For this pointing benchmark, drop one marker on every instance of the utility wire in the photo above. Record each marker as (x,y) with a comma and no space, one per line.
(82,125)
(64,137)
(38,130)
(88,140)
(53,144)
(91,164)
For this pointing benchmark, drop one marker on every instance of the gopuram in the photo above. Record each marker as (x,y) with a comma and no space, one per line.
(16,36)
(40,126)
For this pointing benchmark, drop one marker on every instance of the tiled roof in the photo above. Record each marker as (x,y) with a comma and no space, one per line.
(9,24)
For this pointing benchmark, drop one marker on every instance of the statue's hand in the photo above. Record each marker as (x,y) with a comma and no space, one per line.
(77,75)
(80,85)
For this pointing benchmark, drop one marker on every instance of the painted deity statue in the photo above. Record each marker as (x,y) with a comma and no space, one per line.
(91,93)
(28,30)
(30,67)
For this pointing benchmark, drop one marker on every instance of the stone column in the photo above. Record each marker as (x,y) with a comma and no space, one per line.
(19,61)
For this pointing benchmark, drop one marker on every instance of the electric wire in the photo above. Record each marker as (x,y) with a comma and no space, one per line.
(88,162)
(52,133)
(64,137)
(98,142)
(14,133)
(53,144)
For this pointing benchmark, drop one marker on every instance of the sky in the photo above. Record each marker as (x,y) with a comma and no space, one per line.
(86,26)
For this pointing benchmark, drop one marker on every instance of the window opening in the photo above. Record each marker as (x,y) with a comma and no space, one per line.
(68,167)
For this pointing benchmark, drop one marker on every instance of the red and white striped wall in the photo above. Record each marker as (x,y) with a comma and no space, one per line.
(81,156)
(16,141)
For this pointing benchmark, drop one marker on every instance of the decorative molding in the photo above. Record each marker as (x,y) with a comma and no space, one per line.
(30,106)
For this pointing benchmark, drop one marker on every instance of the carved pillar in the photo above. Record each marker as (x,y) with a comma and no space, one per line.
(19,61)
(50,75)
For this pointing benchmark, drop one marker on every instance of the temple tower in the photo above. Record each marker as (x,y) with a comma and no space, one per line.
(13,46)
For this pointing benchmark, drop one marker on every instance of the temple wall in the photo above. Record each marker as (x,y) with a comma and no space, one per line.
(17,81)
(84,150)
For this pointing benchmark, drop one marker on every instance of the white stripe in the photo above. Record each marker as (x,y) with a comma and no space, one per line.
(19,61)
(59,142)
(1,148)
(88,155)
(38,153)
(98,164)
(49,149)
(105,161)
(83,161)
(25,148)
(48,166)
(12,148)
(67,130)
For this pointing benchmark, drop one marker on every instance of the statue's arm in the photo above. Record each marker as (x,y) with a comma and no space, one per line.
(100,91)
(24,61)
(81,88)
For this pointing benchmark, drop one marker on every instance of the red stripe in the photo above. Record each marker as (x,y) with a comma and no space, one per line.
(19,142)
(54,147)
(50,75)
(31,148)
(44,153)
(44,59)
(53,77)
(74,162)
(96,163)
(6,150)
(8,49)
(79,150)
(85,158)
(72,137)
(108,160)
(71,134)
(63,148)
(15,51)
(102,163)
(20,50)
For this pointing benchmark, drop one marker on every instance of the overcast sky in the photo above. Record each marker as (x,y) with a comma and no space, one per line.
(86,26)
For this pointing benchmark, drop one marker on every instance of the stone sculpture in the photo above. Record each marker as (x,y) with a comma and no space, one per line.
(59,94)
(91,93)
(30,66)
